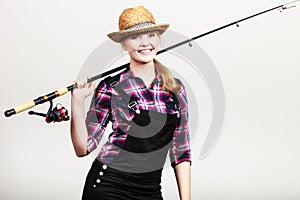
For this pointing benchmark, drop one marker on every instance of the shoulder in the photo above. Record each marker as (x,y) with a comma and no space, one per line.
(181,94)
(106,83)
(112,79)
(180,85)
(178,81)
(119,77)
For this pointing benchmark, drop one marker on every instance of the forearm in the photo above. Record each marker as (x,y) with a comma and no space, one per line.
(183,178)
(78,127)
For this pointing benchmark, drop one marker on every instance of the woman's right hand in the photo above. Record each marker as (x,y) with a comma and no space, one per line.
(79,132)
(83,89)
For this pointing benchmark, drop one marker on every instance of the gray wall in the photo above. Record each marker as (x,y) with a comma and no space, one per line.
(45,43)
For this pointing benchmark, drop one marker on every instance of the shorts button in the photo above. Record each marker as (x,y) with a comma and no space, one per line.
(104,167)
(98,180)
(101,173)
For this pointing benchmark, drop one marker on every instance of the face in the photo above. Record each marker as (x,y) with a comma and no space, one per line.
(141,47)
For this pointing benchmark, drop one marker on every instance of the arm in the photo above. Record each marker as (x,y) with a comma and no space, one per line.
(180,152)
(183,178)
(86,132)
(79,132)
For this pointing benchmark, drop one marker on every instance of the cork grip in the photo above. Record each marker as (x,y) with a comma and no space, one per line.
(63,91)
(24,106)
(19,108)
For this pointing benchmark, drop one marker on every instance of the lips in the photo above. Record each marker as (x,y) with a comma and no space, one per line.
(145,51)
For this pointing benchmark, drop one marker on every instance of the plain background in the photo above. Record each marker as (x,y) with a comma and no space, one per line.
(43,45)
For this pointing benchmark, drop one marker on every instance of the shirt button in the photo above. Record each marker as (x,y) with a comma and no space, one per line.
(94,186)
(101,173)
(98,180)
(104,167)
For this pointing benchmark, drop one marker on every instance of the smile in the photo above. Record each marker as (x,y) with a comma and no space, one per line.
(145,51)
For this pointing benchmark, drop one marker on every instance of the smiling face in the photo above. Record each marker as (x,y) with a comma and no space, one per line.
(141,47)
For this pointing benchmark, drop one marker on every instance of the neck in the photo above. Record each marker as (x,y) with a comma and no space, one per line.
(144,71)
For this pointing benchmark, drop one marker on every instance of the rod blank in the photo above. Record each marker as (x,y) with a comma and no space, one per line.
(63,91)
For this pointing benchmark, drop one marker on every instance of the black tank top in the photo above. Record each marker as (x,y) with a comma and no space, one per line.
(149,138)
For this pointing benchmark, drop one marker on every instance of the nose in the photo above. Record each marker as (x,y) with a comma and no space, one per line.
(144,40)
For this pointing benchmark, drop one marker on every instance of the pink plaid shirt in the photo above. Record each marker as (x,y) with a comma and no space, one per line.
(106,107)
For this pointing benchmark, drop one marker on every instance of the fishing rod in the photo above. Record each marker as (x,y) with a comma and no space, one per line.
(60,113)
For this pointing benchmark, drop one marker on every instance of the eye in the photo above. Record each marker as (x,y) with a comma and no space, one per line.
(152,34)
(133,37)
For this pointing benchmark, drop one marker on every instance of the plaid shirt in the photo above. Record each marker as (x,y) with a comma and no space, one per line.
(106,107)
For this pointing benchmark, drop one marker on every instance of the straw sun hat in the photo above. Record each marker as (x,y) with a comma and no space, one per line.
(136,20)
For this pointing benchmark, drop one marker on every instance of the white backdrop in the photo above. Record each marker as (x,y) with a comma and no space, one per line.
(44,44)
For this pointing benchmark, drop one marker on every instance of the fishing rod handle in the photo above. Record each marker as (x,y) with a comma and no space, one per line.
(39,100)
(19,108)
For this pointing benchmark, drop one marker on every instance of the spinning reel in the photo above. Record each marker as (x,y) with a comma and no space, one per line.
(57,114)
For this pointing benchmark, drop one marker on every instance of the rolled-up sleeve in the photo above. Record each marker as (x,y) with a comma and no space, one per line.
(98,115)
(180,149)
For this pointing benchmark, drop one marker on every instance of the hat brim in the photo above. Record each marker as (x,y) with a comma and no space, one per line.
(119,35)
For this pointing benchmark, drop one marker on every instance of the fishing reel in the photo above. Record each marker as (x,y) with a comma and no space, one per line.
(57,114)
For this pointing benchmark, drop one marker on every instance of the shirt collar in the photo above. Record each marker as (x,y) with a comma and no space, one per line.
(127,73)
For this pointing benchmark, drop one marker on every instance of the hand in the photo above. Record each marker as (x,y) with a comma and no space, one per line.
(83,89)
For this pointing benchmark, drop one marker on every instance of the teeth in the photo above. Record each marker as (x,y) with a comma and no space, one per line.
(145,51)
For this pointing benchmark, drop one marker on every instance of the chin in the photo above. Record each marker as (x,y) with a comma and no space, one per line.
(144,60)
(147,60)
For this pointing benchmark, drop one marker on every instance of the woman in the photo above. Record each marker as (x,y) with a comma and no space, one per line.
(148,111)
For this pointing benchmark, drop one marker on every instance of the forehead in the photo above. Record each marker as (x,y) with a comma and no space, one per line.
(140,33)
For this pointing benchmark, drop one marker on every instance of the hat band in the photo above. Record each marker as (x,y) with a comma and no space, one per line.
(140,25)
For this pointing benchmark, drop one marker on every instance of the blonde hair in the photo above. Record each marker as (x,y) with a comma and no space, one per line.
(169,82)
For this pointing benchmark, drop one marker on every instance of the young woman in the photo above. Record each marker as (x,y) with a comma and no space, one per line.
(149,112)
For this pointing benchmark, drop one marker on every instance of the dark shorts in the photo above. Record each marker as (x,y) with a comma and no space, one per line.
(106,183)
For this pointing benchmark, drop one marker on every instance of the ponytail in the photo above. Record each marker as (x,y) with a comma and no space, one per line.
(168,80)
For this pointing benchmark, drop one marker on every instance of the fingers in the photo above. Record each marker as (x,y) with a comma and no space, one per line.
(83,88)
(82,82)
(90,84)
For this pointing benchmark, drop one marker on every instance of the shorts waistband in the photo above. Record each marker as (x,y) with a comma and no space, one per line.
(147,176)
